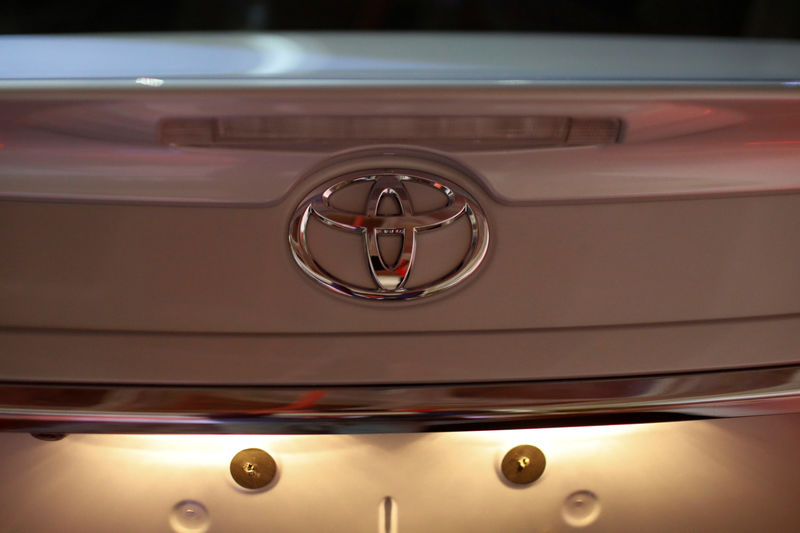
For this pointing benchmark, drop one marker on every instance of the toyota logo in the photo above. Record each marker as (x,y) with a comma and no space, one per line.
(392,279)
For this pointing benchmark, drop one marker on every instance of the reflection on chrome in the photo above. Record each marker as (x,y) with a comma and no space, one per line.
(388,409)
(150,82)
(390,279)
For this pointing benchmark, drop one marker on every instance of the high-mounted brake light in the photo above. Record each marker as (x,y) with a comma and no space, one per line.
(452,132)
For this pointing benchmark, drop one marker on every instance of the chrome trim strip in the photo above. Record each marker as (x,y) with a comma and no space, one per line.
(64,408)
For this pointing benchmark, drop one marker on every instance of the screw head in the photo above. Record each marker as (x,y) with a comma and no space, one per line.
(523,464)
(253,468)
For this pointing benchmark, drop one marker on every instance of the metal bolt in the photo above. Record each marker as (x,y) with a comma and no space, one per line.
(523,464)
(253,468)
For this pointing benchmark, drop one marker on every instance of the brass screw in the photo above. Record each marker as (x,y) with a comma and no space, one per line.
(253,468)
(523,464)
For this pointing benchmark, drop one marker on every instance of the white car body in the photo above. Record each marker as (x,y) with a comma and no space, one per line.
(147,285)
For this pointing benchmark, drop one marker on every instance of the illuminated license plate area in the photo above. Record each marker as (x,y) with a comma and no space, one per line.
(739,474)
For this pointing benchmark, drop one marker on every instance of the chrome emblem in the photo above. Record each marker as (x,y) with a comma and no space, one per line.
(392,281)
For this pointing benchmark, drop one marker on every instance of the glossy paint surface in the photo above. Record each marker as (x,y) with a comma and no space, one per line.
(104,145)
(673,249)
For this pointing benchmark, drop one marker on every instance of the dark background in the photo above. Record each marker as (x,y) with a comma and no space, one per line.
(727,18)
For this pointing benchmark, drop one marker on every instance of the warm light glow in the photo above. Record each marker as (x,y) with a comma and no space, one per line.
(623,474)
(580,439)
(209,450)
